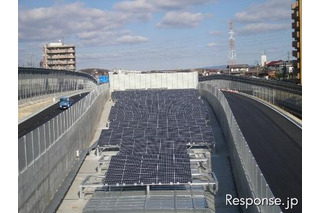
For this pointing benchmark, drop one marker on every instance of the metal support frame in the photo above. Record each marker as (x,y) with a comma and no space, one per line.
(104,159)
(100,149)
(197,152)
(208,145)
(148,190)
(96,181)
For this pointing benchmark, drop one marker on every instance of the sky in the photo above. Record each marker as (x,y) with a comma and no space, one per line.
(155,34)
(158,34)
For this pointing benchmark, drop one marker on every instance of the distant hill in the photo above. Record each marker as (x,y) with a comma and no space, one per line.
(95,71)
(218,67)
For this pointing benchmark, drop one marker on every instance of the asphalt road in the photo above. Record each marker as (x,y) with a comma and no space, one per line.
(44,116)
(273,140)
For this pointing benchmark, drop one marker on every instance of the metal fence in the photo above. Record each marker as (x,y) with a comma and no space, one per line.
(249,178)
(34,83)
(32,145)
(282,94)
(46,154)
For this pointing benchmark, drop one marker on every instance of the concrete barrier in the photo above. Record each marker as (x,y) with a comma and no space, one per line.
(41,178)
(249,179)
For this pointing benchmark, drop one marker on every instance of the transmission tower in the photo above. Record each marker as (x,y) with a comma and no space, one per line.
(232,52)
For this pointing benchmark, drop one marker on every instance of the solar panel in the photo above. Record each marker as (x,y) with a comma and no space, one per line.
(148,169)
(153,128)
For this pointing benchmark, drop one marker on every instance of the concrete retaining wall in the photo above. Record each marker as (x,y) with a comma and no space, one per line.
(249,180)
(39,182)
(289,100)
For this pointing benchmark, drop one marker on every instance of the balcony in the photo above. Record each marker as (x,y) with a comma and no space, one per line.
(61,62)
(296,25)
(296,44)
(294,63)
(61,56)
(295,15)
(296,34)
(296,54)
(62,50)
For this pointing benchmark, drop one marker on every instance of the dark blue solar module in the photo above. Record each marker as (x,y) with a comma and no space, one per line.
(148,169)
(153,128)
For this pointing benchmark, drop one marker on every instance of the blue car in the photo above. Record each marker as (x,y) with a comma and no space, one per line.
(65,103)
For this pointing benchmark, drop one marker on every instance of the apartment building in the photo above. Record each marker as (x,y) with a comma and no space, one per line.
(59,56)
(297,36)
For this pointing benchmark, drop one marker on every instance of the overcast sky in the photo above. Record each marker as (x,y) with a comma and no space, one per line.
(155,34)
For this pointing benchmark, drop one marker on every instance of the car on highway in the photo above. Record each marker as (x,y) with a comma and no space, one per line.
(65,102)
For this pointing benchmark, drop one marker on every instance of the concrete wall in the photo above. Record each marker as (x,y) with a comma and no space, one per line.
(249,180)
(41,179)
(290,99)
(167,80)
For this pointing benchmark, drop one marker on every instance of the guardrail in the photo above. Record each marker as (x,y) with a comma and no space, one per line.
(249,178)
(35,83)
(46,154)
(285,95)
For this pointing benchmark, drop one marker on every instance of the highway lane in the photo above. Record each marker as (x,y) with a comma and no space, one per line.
(44,116)
(273,141)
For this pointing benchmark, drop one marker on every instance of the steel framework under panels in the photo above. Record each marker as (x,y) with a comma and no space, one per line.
(200,172)
(96,181)
(160,201)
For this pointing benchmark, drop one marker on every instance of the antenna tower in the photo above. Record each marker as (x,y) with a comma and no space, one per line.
(232,52)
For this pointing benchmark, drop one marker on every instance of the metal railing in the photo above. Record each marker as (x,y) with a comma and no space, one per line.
(287,96)
(244,163)
(33,83)
(46,154)
(33,144)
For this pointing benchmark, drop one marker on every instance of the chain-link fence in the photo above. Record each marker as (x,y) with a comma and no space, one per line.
(249,178)
(282,94)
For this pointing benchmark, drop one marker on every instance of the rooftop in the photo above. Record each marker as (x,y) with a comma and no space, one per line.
(238,66)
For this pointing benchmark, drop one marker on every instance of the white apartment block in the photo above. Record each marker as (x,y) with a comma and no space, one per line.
(59,56)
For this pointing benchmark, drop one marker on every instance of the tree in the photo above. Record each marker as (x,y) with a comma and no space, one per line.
(284,71)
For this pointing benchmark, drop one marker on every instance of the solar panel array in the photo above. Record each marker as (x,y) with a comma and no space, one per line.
(148,169)
(153,128)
